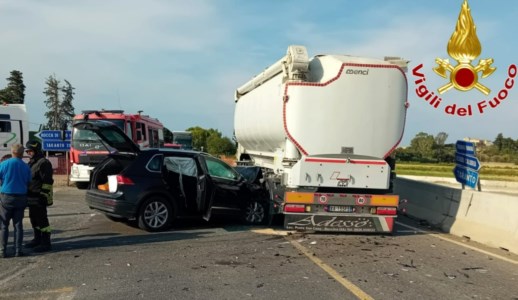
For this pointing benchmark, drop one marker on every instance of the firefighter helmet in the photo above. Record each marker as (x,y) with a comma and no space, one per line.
(33,145)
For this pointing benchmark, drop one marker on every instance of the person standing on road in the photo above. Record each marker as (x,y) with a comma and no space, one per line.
(15,177)
(40,195)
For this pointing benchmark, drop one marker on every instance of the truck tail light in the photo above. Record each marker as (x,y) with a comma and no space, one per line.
(386,210)
(300,208)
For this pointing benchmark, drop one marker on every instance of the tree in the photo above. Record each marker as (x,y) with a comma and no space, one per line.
(499,141)
(67,109)
(211,141)
(199,138)
(422,144)
(406,154)
(15,90)
(61,111)
(219,145)
(509,146)
(53,104)
(439,147)
(15,87)
(4,96)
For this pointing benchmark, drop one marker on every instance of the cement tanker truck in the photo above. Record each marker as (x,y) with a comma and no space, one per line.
(322,130)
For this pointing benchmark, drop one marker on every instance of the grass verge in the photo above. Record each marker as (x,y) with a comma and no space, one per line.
(488,171)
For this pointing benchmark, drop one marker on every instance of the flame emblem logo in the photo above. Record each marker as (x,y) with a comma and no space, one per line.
(464,47)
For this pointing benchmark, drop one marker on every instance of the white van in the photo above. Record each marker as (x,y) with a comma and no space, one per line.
(14,127)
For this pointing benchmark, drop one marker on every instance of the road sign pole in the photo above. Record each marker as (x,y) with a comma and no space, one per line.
(68,169)
(467,165)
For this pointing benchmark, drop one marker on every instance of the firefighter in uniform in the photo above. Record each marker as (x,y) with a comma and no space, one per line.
(39,197)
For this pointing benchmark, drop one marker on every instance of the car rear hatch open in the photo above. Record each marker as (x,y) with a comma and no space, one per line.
(111,135)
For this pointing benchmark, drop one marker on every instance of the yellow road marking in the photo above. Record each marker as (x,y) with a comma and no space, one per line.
(67,292)
(270,231)
(339,278)
(346,283)
(440,236)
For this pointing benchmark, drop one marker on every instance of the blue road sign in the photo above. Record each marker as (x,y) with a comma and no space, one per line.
(58,145)
(467,161)
(465,147)
(54,135)
(466,176)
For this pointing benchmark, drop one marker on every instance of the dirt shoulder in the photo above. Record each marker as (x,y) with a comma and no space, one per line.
(62,180)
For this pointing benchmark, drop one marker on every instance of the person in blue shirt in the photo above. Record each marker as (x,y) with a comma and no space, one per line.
(15,176)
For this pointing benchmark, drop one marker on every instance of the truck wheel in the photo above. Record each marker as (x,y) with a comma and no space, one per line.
(155,214)
(255,212)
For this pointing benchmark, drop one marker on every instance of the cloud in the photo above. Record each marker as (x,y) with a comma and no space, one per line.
(181,61)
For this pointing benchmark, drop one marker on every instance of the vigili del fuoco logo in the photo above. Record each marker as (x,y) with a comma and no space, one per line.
(463,75)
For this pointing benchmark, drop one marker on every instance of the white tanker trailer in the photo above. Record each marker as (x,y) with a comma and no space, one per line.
(322,130)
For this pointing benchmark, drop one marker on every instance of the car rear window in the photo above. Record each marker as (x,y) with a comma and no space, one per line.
(182,165)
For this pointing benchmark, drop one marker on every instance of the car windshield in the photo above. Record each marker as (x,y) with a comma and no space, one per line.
(84,135)
(220,169)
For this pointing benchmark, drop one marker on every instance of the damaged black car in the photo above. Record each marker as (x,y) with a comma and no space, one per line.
(157,186)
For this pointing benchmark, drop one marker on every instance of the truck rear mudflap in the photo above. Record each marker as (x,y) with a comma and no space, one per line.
(339,223)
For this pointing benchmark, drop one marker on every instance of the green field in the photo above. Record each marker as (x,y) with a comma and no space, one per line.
(489,171)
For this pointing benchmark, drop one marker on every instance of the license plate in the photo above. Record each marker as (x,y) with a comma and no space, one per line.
(346,209)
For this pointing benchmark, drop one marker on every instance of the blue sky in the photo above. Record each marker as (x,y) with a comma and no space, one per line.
(181,61)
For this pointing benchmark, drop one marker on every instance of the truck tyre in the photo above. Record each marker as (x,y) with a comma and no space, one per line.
(156,214)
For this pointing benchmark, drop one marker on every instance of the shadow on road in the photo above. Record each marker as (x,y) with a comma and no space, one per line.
(115,239)
(130,235)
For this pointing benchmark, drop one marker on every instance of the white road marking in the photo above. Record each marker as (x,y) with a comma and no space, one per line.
(17,273)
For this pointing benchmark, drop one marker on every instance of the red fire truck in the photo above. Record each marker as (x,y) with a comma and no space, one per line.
(86,151)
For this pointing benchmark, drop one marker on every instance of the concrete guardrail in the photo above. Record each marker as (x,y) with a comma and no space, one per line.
(489,218)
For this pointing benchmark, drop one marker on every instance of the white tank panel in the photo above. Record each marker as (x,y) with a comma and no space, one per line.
(362,107)
(350,102)
(258,121)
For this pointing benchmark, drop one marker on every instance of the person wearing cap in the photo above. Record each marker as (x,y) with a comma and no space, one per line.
(15,177)
(39,196)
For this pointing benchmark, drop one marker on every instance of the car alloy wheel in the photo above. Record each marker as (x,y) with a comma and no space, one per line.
(254,212)
(155,214)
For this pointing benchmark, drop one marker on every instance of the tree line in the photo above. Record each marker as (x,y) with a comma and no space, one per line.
(208,140)
(424,147)
(59,97)
(58,100)
(212,141)
(427,148)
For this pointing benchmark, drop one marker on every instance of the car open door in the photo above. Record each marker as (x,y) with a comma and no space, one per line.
(192,184)
(204,197)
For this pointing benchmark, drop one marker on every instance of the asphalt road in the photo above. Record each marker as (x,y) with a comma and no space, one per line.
(95,258)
